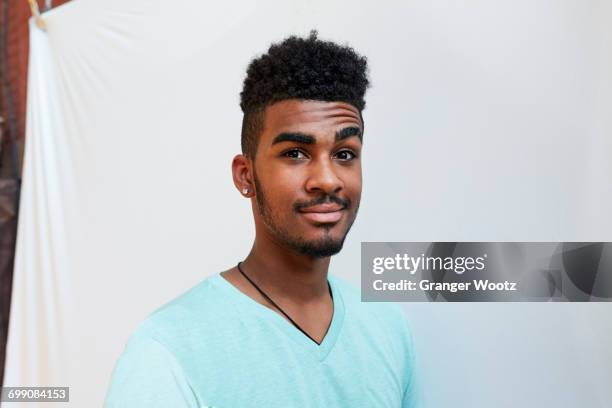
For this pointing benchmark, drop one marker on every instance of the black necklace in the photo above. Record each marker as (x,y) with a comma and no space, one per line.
(278,307)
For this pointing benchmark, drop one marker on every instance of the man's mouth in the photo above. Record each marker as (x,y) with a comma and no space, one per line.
(323,213)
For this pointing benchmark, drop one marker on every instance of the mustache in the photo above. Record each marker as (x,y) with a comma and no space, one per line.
(344,202)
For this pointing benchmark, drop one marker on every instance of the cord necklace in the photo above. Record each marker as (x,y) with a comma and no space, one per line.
(278,307)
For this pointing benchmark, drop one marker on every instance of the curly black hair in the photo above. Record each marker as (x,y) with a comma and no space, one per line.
(300,68)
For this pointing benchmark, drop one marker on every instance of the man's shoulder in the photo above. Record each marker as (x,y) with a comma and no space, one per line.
(189,313)
(157,352)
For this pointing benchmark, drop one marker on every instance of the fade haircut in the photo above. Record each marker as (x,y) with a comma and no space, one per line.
(300,68)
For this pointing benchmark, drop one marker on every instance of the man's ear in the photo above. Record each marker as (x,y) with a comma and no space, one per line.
(242,173)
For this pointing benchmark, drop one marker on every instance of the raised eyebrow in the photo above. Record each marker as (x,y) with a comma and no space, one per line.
(348,132)
(296,137)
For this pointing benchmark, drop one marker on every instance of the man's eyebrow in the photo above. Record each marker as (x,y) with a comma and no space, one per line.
(294,137)
(348,132)
(304,138)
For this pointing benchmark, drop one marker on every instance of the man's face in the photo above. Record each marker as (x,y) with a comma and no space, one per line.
(307,174)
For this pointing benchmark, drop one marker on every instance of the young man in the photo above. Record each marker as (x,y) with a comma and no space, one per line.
(276,330)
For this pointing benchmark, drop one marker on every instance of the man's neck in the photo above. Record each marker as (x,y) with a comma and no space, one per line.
(285,274)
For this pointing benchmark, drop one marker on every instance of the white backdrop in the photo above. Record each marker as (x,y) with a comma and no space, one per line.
(487,120)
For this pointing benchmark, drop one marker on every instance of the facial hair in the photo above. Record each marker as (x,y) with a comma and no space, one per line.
(319,248)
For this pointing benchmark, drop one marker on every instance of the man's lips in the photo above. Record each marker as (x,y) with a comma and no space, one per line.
(323,213)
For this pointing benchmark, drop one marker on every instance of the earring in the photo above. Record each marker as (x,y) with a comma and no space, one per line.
(245,191)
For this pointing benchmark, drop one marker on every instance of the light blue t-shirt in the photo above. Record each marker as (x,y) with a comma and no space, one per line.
(214,346)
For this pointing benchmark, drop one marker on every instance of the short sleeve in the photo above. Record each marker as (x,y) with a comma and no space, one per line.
(412,397)
(148,375)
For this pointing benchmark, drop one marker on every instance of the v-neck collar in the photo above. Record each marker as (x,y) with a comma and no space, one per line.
(320,351)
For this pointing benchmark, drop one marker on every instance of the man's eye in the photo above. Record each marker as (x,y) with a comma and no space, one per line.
(346,155)
(294,154)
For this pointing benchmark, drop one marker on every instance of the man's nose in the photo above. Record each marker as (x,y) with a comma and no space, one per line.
(323,178)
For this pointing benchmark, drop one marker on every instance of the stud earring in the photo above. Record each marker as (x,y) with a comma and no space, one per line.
(245,190)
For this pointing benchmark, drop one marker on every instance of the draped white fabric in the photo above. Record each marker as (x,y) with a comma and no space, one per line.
(486,121)
(41,325)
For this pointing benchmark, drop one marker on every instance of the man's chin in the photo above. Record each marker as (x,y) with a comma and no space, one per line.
(319,249)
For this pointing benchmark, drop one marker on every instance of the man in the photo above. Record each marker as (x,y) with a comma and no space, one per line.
(277,330)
